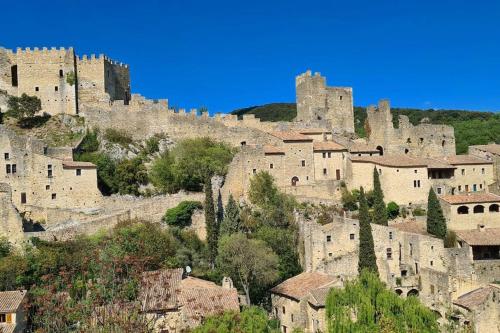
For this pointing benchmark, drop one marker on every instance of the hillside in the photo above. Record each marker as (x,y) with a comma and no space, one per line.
(471,127)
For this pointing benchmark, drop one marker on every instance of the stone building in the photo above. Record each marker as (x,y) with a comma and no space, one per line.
(299,302)
(12,312)
(490,152)
(423,140)
(318,102)
(480,309)
(467,211)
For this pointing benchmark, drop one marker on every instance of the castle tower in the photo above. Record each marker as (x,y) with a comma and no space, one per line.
(318,102)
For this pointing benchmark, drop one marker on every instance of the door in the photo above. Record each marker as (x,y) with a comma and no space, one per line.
(337,173)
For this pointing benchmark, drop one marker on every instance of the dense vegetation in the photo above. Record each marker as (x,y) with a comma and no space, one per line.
(471,128)
(366,305)
(180,215)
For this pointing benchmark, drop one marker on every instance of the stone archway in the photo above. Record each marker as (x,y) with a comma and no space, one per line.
(412,292)
(295,180)
(381,150)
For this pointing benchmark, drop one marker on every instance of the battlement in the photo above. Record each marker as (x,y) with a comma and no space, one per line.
(53,51)
(101,58)
(307,76)
(384,106)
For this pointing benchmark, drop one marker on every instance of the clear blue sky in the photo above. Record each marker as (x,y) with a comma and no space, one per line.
(233,54)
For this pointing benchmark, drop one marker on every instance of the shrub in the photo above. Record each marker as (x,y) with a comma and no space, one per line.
(419,211)
(350,199)
(392,210)
(90,142)
(117,136)
(71,78)
(152,145)
(180,215)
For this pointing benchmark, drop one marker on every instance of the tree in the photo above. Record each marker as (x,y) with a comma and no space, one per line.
(379,211)
(375,309)
(24,107)
(211,222)
(249,262)
(130,174)
(180,215)
(436,223)
(392,210)
(231,223)
(367,259)
(349,199)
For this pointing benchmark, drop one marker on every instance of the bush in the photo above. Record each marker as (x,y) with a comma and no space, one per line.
(180,216)
(392,210)
(419,211)
(152,145)
(117,136)
(90,142)
(24,107)
(350,199)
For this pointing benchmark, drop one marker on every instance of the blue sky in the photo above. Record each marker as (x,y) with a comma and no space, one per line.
(231,54)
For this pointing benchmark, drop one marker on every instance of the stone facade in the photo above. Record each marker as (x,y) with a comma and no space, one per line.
(465,212)
(490,152)
(318,102)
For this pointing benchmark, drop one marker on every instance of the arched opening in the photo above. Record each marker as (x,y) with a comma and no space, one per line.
(478,209)
(399,292)
(381,150)
(295,180)
(463,210)
(412,292)
(494,208)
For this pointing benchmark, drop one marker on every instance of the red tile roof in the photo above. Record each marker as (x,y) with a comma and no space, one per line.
(411,226)
(291,136)
(11,300)
(327,145)
(471,198)
(159,289)
(300,285)
(476,297)
(476,237)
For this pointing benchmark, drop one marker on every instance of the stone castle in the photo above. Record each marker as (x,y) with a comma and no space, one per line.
(315,158)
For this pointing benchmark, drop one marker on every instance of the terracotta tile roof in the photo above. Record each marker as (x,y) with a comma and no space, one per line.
(491,148)
(300,285)
(291,136)
(67,164)
(7,328)
(476,297)
(327,145)
(11,300)
(311,130)
(318,296)
(390,161)
(411,226)
(359,147)
(471,198)
(159,289)
(269,149)
(433,163)
(464,160)
(476,237)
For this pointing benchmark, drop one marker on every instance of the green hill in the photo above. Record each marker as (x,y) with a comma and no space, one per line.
(471,127)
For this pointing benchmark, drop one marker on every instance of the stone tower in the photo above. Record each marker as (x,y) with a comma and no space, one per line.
(318,102)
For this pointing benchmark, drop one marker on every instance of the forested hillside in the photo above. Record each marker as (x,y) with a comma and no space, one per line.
(471,128)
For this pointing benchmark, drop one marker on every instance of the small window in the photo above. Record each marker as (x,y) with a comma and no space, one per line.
(61,73)
(330,254)
(324,171)
(432,263)
(459,188)
(303,163)
(14,168)
(340,98)
(418,183)
(47,187)
(37,89)
(78,172)
(324,155)
(329,155)
(351,236)
(463,172)
(271,166)
(482,171)
(54,196)
(6,155)
(56,88)
(283,310)
(416,171)
(390,234)
(329,238)
(3,317)
(432,289)
(7,168)
(380,171)
(291,317)
(23,197)
(389,253)
(478,209)
(439,190)
(254,171)
(463,210)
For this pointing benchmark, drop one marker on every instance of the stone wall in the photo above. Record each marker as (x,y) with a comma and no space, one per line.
(11,224)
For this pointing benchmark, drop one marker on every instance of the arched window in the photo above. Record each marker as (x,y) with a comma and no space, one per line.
(463,210)
(381,150)
(494,208)
(399,291)
(295,180)
(478,209)
(412,292)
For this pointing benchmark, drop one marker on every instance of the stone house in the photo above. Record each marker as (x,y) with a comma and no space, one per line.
(490,152)
(299,302)
(479,309)
(12,313)
(467,211)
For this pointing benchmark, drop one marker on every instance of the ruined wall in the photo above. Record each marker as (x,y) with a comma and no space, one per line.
(11,224)
(423,140)
(8,67)
(316,101)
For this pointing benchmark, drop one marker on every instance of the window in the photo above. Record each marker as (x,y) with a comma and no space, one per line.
(478,209)
(482,171)
(328,238)
(439,190)
(23,198)
(466,188)
(480,186)
(324,155)
(47,187)
(271,166)
(459,188)
(351,236)
(415,183)
(330,254)
(324,171)
(474,187)
(463,172)
(3,317)
(14,168)
(329,155)
(411,249)
(13,72)
(283,310)
(54,196)
(45,150)
(295,180)
(432,263)
(37,89)
(390,234)
(340,98)
(303,163)
(463,210)
(61,74)
(416,268)
(494,208)
(416,171)
(243,143)
(380,171)
(254,171)
(56,88)
(337,174)
(6,155)
(432,289)
(49,170)
(7,168)
(389,253)
(291,317)
(78,172)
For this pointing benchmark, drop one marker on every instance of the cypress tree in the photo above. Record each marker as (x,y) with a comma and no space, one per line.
(436,224)
(367,258)
(379,210)
(211,222)
(231,223)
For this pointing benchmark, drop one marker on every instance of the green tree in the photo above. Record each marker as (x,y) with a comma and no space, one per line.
(367,258)
(349,199)
(211,222)
(379,210)
(24,107)
(376,309)
(249,262)
(162,175)
(180,215)
(252,319)
(130,174)
(392,210)
(436,223)
(231,223)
